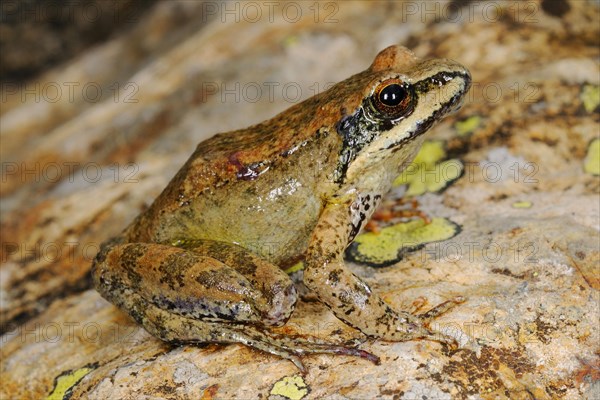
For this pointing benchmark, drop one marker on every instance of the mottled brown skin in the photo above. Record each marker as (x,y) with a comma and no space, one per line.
(204,262)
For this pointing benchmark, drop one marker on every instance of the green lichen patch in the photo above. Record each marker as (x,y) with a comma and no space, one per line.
(428,173)
(522,204)
(591,164)
(467,126)
(290,387)
(65,382)
(590,97)
(389,246)
(295,268)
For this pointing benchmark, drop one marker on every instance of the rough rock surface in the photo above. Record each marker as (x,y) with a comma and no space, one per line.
(90,143)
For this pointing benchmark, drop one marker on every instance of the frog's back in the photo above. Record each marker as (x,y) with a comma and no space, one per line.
(302,140)
(247,187)
(243,155)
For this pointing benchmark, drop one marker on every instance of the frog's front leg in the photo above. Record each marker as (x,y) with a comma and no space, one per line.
(207,291)
(350,299)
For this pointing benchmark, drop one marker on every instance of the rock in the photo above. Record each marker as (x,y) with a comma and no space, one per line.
(79,165)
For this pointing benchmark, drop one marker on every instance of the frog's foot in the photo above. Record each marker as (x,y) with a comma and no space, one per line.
(292,348)
(417,325)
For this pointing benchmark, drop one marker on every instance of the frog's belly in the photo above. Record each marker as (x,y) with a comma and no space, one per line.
(275,224)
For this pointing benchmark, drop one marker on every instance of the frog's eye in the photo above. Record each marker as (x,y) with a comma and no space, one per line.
(392,95)
(393,99)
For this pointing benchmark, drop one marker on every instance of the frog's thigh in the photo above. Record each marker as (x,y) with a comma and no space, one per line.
(194,284)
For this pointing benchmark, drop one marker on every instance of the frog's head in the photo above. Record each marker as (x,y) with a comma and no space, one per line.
(403,97)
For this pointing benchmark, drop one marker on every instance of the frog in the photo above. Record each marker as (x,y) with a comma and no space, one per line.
(206,261)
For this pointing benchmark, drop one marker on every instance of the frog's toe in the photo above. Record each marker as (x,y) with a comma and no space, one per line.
(347,351)
(293,355)
(275,349)
(440,309)
(328,348)
(419,328)
(420,332)
(451,341)
(298,363)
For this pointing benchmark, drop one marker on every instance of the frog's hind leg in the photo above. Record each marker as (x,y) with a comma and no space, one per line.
(184,295)
(177,330)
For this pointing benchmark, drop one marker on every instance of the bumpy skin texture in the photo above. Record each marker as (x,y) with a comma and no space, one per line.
(204,262)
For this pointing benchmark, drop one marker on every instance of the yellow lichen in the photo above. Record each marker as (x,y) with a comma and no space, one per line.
(391,243)
(296,267)
(66,381)
(591,164)
(428,173)
(291,387)
(522,204)
(466,127)
(590,96)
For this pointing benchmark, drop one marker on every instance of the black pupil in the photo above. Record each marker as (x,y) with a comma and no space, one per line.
(392,95)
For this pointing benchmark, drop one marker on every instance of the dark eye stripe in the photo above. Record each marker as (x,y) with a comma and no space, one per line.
(439,80)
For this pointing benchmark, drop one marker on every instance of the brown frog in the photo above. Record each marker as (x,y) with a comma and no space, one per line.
(205,262)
